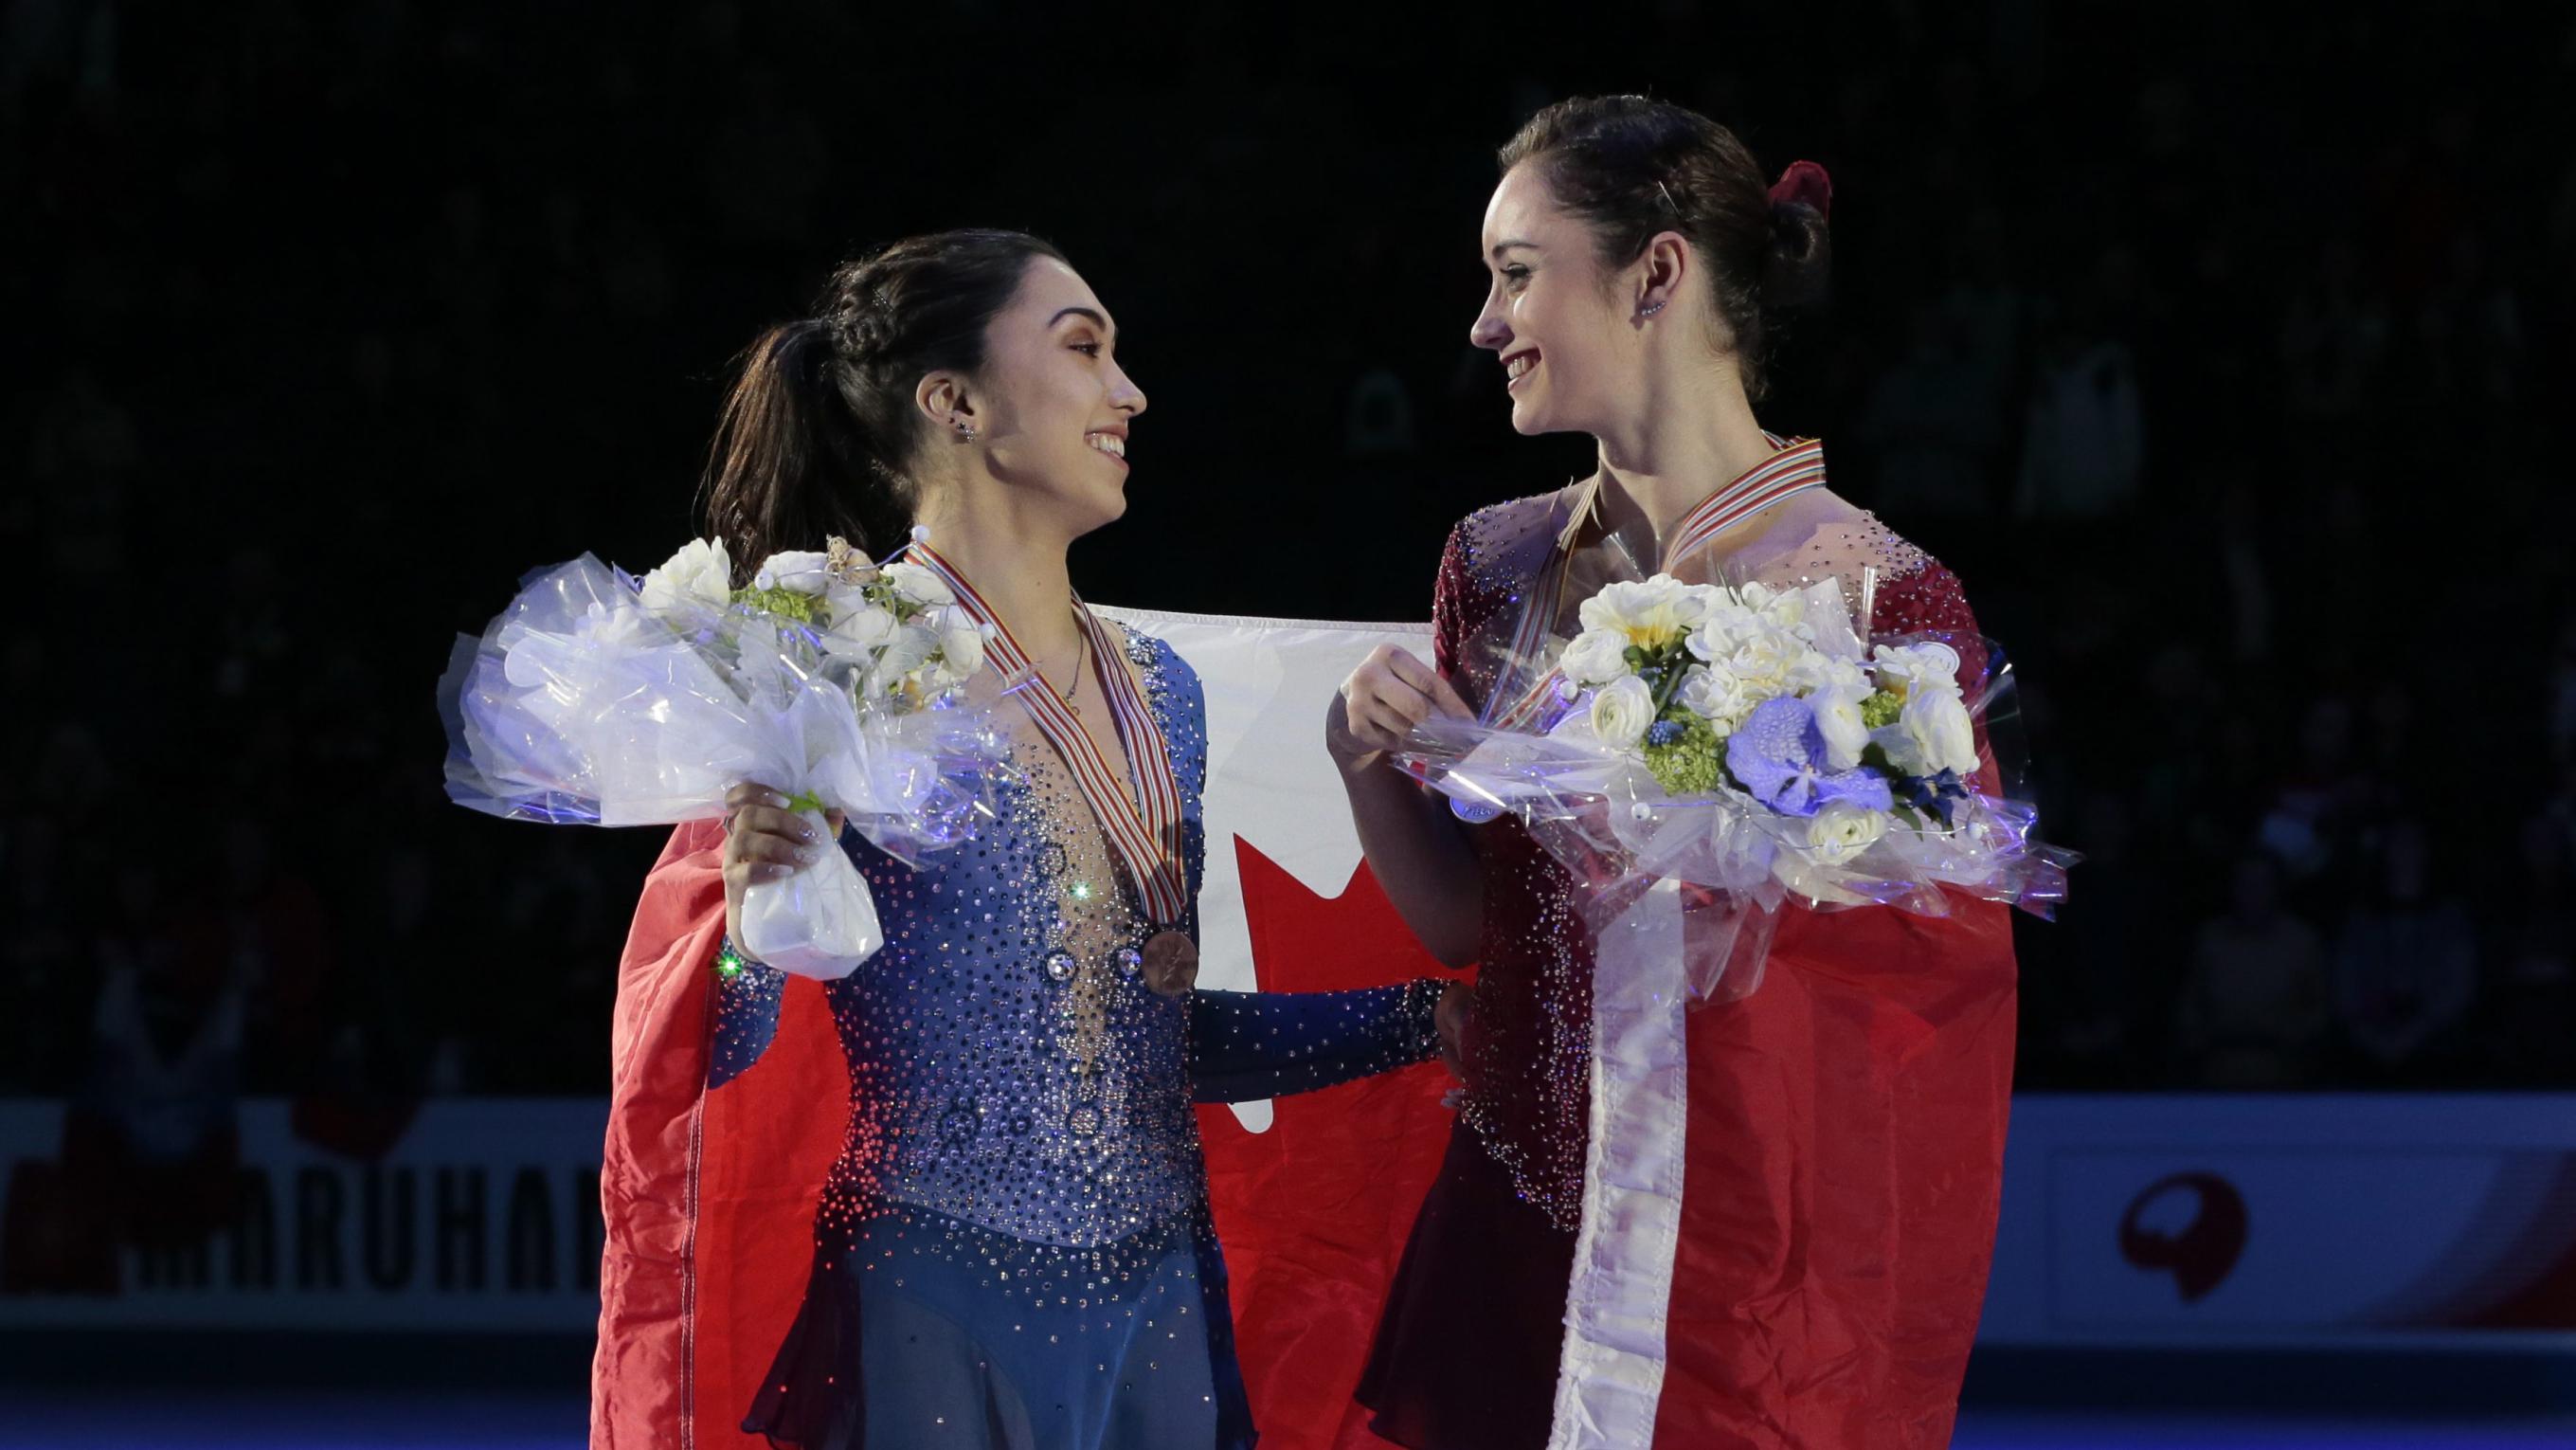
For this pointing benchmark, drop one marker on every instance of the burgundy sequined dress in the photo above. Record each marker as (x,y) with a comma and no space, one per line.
(1844,1123)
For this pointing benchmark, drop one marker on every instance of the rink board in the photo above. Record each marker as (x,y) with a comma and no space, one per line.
(2129,1221)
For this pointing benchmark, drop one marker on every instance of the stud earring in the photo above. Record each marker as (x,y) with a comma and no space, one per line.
(1650,309)
(966,431)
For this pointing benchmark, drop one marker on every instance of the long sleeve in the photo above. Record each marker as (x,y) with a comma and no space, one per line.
(747,1006)
(1250,1045)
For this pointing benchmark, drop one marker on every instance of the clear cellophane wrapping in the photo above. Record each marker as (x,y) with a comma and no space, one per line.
(1726,862)
(579,705)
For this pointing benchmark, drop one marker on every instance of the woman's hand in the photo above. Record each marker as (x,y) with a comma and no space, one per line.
(1417,849)
(766,841)
(1381,702)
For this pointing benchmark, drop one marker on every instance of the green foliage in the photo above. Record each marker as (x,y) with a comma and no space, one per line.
(1694,764)
(806,609)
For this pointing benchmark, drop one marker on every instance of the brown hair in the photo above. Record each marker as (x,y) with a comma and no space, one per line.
(1632,167)
(820,427)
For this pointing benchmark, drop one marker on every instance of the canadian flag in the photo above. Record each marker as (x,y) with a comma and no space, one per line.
(710,1195)
(1314,1194)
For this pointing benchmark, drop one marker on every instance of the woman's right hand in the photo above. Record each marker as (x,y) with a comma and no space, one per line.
(766,841)
(1381,702)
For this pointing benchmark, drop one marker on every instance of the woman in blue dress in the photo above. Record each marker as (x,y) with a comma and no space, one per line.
(1014,1247)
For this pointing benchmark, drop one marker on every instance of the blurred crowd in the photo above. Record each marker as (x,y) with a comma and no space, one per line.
(2225,390)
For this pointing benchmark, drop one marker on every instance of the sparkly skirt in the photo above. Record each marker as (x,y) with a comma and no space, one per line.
(1466,1352)
(921,1330)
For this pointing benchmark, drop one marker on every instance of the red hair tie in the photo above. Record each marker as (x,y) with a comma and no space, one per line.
(1806,184)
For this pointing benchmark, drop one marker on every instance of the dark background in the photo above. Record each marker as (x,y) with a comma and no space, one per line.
(2216,350)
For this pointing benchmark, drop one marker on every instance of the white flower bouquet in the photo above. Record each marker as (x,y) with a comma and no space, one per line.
(598,698)
(1746,743)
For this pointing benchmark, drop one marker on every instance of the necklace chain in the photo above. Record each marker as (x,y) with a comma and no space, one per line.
(1081,650)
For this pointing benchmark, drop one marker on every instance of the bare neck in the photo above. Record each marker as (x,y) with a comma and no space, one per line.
(1692,433)
(1014,556)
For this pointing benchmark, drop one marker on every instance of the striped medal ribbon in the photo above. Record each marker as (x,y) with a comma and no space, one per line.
(1145,830)
(1793,469)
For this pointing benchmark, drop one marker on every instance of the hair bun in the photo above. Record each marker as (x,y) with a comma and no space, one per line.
(1796,271)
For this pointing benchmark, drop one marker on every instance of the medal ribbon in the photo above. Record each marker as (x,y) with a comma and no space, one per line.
(1144,833)
(1794,469)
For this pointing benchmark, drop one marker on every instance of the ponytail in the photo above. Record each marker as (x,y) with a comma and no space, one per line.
(788,467)
(819,434)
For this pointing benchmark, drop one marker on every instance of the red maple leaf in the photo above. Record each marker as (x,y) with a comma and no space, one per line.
(1314,1213)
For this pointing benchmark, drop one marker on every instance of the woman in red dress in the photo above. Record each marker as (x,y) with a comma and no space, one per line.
(1763,1221)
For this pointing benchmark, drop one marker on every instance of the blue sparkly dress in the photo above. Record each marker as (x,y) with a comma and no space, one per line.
(1014,1250)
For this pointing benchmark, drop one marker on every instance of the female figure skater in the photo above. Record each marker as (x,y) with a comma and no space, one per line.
(1012,1246)
(1817,1280)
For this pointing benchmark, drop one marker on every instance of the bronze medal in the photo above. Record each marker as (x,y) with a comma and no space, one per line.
(1171,962)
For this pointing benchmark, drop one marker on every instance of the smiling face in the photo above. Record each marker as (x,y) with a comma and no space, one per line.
(1051,405)
(1560,325)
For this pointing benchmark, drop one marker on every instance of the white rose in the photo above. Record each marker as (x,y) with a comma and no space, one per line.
(1764,658)
(906,650)
(1784,610)
(1931,665)
(859,624)
(1937,730)
(842,600)
(1819,673)
(701,573)
(798,571)
(961,646)
(917,582)
(1596,657)
(1838,718)
(1622,711)
(1717,696)
(1718,632)
(1841,831)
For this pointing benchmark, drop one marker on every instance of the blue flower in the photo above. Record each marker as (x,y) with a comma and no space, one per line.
(1934,795)
(1778,755)
(1664,732)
